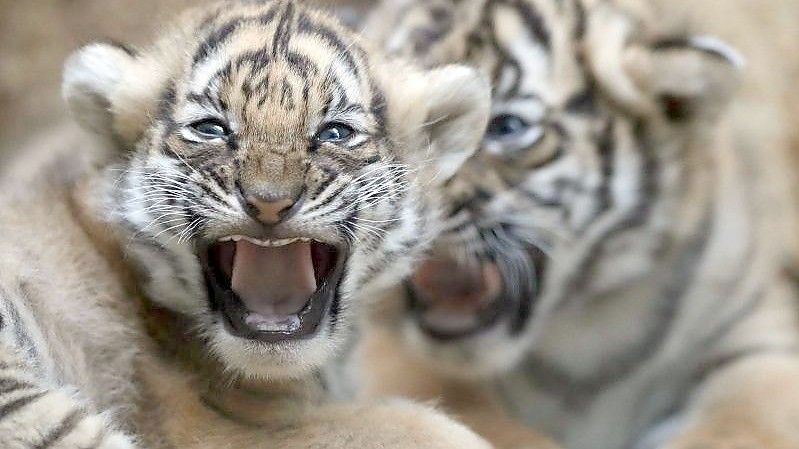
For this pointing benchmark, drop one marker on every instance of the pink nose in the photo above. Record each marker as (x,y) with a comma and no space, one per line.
(270,212)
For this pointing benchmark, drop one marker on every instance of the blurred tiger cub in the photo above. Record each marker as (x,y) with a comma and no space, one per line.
(614,265)
(192,275)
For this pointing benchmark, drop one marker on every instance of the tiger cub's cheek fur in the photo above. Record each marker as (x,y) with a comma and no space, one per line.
(254,126)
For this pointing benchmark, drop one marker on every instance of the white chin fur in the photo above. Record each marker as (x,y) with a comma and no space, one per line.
(287,360)
(487,354)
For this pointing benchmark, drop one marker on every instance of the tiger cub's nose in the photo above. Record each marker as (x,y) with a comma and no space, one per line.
(269,211)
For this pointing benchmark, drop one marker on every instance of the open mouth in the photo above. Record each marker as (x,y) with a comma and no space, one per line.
(454,299)
(272,290)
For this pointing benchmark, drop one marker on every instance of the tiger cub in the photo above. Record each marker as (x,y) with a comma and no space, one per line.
(192,274)
(614,260)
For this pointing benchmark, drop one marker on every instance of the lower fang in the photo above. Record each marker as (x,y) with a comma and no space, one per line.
(262,323)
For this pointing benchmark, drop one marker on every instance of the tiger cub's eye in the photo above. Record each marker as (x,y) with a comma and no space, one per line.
(211,129)
(334,132)
(506,125)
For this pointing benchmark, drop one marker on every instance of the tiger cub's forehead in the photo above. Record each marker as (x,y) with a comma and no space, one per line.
(276,66)
(529,47)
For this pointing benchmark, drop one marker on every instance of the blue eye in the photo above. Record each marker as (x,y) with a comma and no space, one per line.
(211,129)
(334,132)
(506,125)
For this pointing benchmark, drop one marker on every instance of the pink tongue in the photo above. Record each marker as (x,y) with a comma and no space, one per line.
(452,285)
(273,281)
(455,293)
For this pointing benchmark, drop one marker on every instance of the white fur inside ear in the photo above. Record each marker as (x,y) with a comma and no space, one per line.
(91,75)
(723,49)
(458,101)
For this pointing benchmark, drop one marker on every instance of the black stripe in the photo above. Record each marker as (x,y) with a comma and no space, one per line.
(10,385)
(287,95)
(684,43)
(723,362)
(637,216)
(506,61)
(166,106)
(66,426)
(222,74)
(121,45)
(19,403)
(257,59)
(379,108)
(535,23)
(301,65)
(331,176)
(606,148)
(330,197)
(282,35)
(580,23)
(210,44)
(221,34)
(3,299)
(583,102)
(22,339)
(335,306)
(306,25)
(426,36)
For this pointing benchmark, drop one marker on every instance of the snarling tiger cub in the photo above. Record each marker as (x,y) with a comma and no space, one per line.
(191,274)
(615,264)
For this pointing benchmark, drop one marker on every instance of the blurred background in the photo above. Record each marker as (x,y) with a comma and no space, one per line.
(37,35)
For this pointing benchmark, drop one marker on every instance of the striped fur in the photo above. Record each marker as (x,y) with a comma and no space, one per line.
(663,210)
(106,321)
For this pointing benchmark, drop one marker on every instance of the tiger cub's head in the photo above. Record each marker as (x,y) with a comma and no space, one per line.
(590,101)
(274,170)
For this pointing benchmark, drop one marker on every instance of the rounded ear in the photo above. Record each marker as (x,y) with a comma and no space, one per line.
(110,91)
(689,78)
(682,78)
(91,77)
(442,113)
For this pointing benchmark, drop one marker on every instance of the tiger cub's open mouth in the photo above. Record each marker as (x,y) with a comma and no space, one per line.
(456,299)
(272,290)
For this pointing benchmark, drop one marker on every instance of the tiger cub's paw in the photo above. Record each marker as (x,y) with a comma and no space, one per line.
(39,417)
(422,426)
(393,424)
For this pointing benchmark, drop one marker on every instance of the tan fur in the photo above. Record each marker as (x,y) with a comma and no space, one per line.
(164,401)
(746,393)
(393,370)
(117,367)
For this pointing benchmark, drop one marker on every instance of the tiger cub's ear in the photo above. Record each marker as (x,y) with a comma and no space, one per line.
(688,79)
(683,79)
(442,112)
(108,91)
